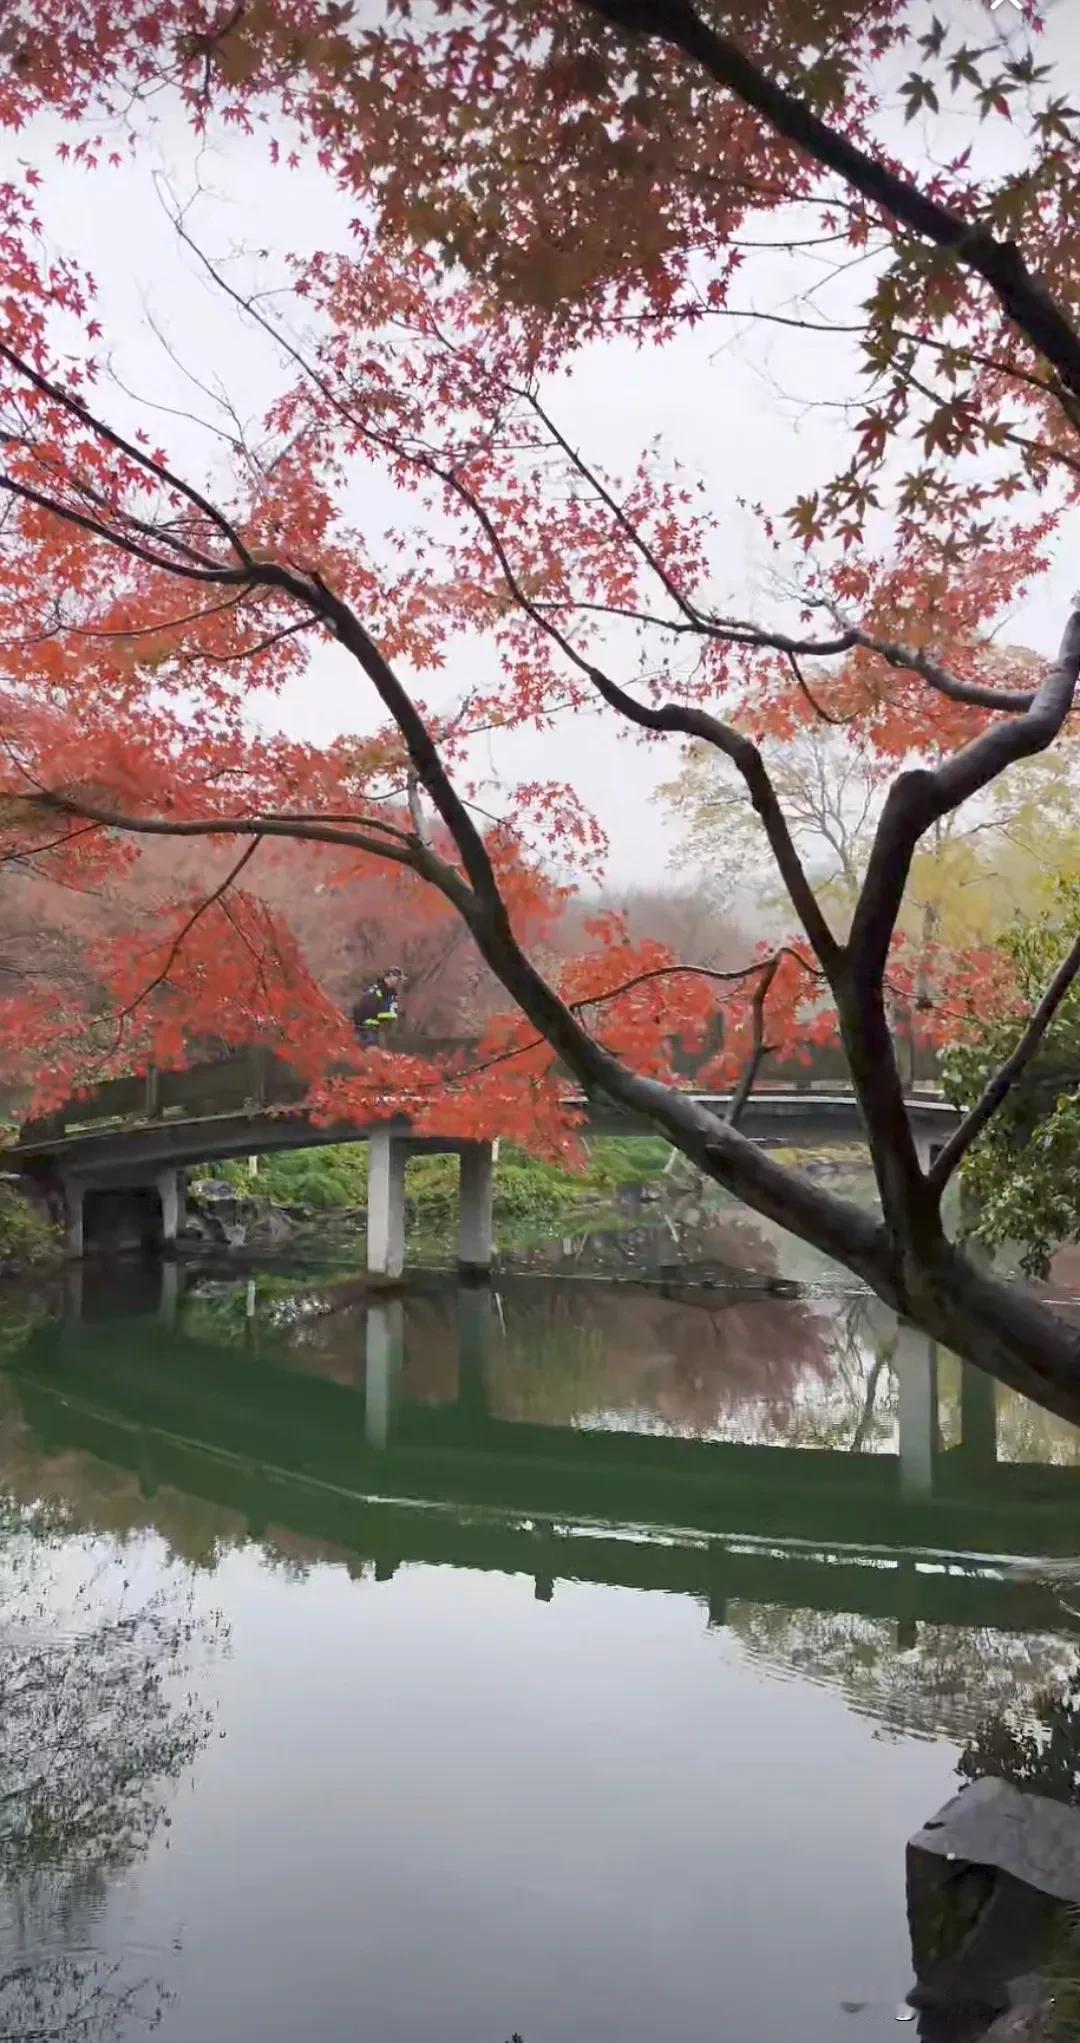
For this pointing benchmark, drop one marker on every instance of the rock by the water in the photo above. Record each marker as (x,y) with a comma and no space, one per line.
(1028,1836)
(991,1879)
(272,1224)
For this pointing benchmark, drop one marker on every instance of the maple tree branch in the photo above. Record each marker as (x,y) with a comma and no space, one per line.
(742,632)
(729,977)
(118,517)
(823,715)
(304,825)
(259,975)
(958,348)
(915,801)
(907,659)
(1002,435)
(124,541)
(738,972)
(687,722)
(141,630)
(691,722)
(262,645)
(999,263)
(182,934)
(759,1048)
(423,752)
(1003,1080)
(625,524)
(21,854)
(75,407)
(923,796)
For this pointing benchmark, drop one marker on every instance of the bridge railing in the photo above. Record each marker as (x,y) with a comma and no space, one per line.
(255,1080)
(233,1082)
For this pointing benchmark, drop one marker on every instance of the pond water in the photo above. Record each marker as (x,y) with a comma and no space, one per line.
(570,1661)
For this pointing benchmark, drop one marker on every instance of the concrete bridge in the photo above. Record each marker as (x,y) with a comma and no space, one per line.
(141,1134)
(912,1536)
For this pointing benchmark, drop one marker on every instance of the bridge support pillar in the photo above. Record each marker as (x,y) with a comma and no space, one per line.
(386,1204)
(74,1193)
(915,1365)
(168,1188)
(476,1222)
(385,1346)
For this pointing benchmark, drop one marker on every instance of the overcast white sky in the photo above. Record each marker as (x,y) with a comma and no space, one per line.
(731,402)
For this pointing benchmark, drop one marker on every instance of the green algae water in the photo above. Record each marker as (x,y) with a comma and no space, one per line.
(569,1661)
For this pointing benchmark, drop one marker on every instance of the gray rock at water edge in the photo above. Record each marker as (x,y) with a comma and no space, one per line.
(212,1189)
(990,1879)
(1027,1836)
(273,1225)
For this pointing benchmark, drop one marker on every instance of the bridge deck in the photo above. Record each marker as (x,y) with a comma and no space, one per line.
(253,1104)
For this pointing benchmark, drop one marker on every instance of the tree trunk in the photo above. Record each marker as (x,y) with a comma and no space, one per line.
(1002,1327)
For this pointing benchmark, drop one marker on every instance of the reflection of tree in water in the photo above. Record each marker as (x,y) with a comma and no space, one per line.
(1028,1433)
(97,1497)
(1036,1745)
(688,1227)
(75,1999)
(938,1686)
(93,1731)
(792,1370)
(278,1317)
(783,1370)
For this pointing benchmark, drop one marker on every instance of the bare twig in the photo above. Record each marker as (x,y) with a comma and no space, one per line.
(759,1048)
(182,935)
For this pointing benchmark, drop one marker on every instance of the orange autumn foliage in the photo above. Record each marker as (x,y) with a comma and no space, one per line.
(527,180)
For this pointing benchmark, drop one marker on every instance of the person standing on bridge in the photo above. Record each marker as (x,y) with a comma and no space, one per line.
(377,1009)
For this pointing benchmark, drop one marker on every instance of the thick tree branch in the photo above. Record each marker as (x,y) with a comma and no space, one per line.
(737,631)
(742,632)
(922,797)
(1000,264)
(305,826)
(916,801)
(1001,1084)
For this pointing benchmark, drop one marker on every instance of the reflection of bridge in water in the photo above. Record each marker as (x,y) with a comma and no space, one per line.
(910,1536)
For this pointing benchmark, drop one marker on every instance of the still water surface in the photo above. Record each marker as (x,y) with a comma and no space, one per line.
(572,1661)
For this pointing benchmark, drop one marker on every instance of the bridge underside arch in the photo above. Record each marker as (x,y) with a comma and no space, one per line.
(122,1217)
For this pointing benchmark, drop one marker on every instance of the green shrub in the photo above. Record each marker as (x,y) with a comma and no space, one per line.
(526,1188)
(27,1238)
(325,1179)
